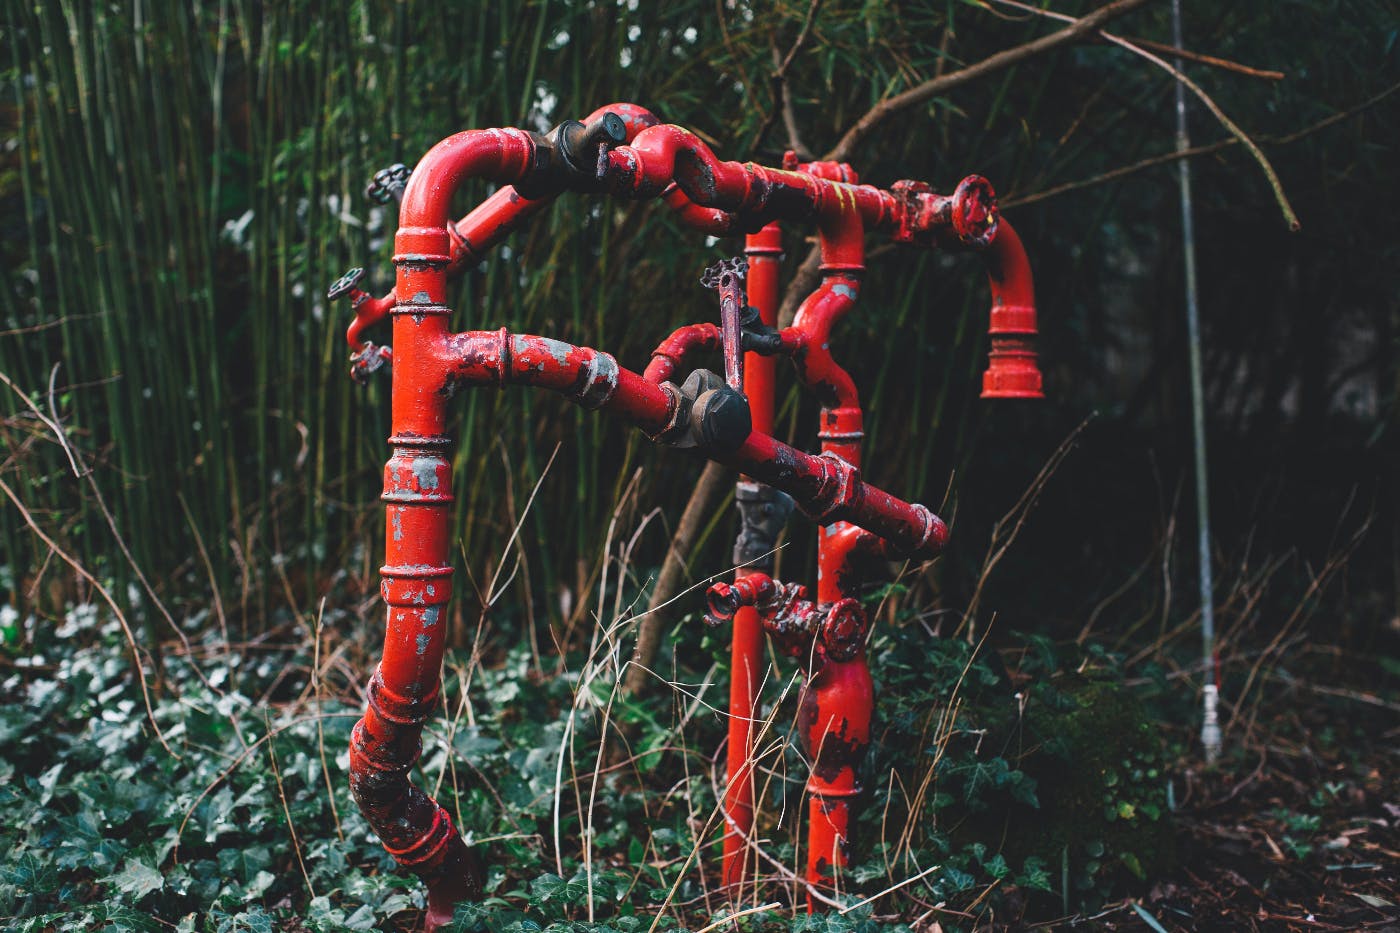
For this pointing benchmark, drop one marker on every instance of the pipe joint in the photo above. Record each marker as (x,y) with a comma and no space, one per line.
(837,490)
(966,219)
(811,632)
(572,156)
(706,415)
(763,514)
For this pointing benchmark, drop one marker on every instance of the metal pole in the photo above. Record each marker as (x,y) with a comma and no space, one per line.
(1210,723)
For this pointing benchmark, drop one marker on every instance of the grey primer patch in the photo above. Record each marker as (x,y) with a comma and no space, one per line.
(422,644)
(425,471)
(430,615)
(396,520)
(557,349)
(600,381)
(845,291)
(421,297)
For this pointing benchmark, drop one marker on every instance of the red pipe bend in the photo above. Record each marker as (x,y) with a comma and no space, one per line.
(490,222)
(671,354)
(1012,369)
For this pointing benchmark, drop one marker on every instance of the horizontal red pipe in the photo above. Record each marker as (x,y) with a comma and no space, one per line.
(826,487)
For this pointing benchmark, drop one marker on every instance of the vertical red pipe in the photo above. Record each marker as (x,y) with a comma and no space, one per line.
(764,250)
(416,583)
(416,580)
(1012,368)
(838,699)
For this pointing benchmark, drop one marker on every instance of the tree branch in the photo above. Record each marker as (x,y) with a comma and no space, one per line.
(1288,215)
(1207,149)
(1222,63)
(1078,29)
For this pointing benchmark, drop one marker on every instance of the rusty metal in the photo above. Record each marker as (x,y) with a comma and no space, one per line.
(623,151)
(727,278)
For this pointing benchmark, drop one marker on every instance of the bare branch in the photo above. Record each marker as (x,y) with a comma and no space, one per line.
(1211,60)
(1079,29)
(782,95)
(1288,215)
(1165,157)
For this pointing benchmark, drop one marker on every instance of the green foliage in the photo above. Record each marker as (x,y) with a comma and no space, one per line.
(1014,782)
(94,811)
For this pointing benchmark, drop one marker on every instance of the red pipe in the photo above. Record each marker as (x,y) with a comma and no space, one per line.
(417,576)
(837,700)
(431,363)
(674,350)
(1012,371)
(665,154)
(764,250)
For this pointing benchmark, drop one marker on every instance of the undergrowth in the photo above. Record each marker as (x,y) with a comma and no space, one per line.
(228,808)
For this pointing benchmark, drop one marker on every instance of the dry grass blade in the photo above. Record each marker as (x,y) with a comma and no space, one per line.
(130,636)
(1008,527)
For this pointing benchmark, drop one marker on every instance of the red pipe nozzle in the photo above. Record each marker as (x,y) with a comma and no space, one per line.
(1012,370)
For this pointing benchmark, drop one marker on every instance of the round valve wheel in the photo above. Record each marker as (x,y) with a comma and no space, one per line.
(974,211)
(345,284)
(843,630)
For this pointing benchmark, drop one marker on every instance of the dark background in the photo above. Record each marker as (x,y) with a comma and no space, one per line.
(180,183)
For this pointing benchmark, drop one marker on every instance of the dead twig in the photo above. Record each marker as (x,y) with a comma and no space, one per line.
(81,571)
(1277,186)
(1079,29)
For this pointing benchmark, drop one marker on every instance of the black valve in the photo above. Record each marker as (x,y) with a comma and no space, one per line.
(388,184)
(720,420)
(568,157)
(707,415)
(756,336)
(347,284)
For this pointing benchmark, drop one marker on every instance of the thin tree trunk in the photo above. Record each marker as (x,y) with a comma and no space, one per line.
(708,490)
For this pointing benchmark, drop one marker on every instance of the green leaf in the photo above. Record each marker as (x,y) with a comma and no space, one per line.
(138,879)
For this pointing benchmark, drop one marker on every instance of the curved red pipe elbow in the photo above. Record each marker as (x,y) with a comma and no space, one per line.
(1012,368)
(490,222)
(503,155)
(368,313)
(672,352)
(709,220)
(810,335)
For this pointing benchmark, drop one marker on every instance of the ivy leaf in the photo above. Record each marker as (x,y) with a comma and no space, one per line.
(138,879)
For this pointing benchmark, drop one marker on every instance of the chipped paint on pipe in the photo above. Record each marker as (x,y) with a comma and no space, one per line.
(430,364)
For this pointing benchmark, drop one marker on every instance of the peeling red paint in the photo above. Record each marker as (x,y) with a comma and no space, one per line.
(637,157)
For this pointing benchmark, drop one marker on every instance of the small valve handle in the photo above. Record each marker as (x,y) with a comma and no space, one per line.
(368,361)
(388,184)
(727,278)
(723,600)
(842,632)
(347,284)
